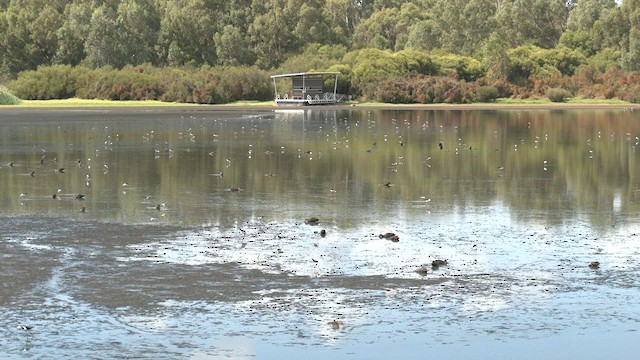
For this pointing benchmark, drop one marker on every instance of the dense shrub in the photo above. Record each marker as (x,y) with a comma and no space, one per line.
(463,67)
(48,82)
(125,84)
(398,91)
(425,89)
(7,98)
(486,94)
(244,83)
(558,94)
(204,85)
(370,67)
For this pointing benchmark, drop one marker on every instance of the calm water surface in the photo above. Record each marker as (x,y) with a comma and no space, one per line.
(183,234)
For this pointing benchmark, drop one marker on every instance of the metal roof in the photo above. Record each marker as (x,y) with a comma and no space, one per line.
(304,74)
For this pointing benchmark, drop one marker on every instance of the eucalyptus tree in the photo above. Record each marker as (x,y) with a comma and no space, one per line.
(138,24)
(233,48)
(584,25)
(187,28)
(536,22)
(283,27)
(624,25)
(387,28)
(424,35)
(495,58)
(29,36)
(73,33)
(102,44)
(463,25)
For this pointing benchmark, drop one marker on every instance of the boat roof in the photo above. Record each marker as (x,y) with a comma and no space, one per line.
(305,74)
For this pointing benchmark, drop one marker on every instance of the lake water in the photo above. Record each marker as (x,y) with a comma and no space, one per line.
(183,233)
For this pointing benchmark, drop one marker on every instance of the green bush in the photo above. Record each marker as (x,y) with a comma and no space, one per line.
(486,94)
(463,67)
(557,94)
(7,98)
(48,82)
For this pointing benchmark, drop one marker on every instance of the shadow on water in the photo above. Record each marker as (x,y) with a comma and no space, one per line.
(182,233)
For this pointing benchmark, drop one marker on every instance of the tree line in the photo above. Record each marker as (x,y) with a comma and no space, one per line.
(520,47)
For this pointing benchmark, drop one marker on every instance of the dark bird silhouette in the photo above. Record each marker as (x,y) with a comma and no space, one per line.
(390,236)
(79,197)
(441,146)
(435,264)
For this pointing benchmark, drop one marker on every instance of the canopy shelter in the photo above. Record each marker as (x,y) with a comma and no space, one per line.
(307,89)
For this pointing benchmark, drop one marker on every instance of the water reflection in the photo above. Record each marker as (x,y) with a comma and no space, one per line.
(193,240)
(550,165)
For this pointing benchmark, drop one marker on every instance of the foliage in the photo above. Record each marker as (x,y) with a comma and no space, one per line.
(464,67)
(186,46)
(486,94)
(558,94)
(7,98)
(372,66)
(145,82)
(425,89)
(48,82)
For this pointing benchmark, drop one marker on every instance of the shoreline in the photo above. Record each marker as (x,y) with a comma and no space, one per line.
(144,108)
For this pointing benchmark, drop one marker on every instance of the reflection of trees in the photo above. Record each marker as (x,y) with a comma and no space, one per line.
(559,163)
